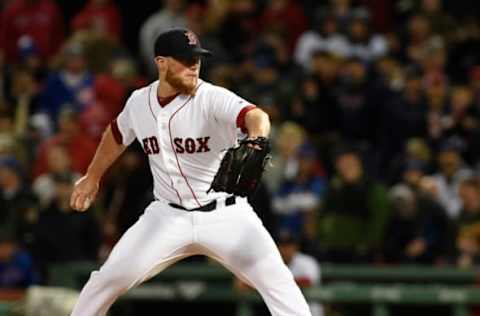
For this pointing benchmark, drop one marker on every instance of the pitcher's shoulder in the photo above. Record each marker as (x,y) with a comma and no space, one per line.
(142,93)
(145,90)
(210,89)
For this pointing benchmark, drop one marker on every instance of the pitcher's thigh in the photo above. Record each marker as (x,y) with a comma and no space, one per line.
(244,246)
(150,243)
(238,238)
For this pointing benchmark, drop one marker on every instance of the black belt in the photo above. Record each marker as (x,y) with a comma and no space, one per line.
(207,207)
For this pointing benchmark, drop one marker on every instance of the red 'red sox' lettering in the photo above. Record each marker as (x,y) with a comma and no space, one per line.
(190,145)
(150,145)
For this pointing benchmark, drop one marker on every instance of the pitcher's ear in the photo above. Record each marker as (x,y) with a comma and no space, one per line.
(161,62)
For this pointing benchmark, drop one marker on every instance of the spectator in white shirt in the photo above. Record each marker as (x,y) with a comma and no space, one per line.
(171,15)
(452,170)
(323,37)
(304,268)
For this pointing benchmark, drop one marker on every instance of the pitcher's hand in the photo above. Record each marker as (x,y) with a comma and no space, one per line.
(84,193)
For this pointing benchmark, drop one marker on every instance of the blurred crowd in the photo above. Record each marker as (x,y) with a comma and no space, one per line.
(375,109)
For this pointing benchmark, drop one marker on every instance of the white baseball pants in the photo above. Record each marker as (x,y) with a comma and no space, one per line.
(233,235)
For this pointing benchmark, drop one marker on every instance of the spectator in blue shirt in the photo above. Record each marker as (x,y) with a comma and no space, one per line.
(298,198)
(16,265)
(70,86)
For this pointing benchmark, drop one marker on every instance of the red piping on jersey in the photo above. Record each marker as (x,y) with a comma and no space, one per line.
(173,148)
(241,117)
(178,194)
(149,105)
(117,135)
(151,111)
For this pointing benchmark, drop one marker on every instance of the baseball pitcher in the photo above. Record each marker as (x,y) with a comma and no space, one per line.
(185,126)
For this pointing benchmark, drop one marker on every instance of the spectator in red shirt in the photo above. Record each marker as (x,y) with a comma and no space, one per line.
(39,19)
(111,91)
(79,147)
(286,17)
(100,16)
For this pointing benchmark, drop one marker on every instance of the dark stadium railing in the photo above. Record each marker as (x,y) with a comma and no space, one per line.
(71,274)
(378,286)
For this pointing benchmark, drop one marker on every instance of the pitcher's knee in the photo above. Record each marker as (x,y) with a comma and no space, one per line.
(271,273)
(116,280)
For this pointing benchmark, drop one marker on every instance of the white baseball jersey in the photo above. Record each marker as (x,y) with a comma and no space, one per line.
(185,140)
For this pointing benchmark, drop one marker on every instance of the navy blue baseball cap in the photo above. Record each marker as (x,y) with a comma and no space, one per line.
(179,43)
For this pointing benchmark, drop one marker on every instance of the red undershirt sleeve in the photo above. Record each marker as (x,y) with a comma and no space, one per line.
(241,117)
(116,132)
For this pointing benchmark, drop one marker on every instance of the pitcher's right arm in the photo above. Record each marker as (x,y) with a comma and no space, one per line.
(86,188)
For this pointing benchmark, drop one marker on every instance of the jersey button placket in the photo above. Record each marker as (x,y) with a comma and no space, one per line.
(164,142)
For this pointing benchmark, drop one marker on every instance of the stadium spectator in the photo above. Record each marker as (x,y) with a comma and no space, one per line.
(111,90)
(418,229)
(40,20)
(69,87)
(80,148)
(352,218)
(24,99)
(417,155)
(441,22)
(58,162)
(419,33)
(172,14)
(99,16)
(236,25)
(284,17)
(355,102)
(315,106)
(298,199)
(15,194)
(322,102)
(324,37)
(452,170)
(63,235)
(413,172)
(31,61)
(263,67)
(17,270)
(362,44)
(462,121)
(474,83)
(402,118)
(304,268)
(290,137)
(468,224)
(343,11)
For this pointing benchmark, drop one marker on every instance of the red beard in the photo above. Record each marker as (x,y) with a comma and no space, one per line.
(178,84)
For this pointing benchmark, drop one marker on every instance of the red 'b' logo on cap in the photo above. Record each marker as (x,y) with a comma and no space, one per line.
(192,38)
